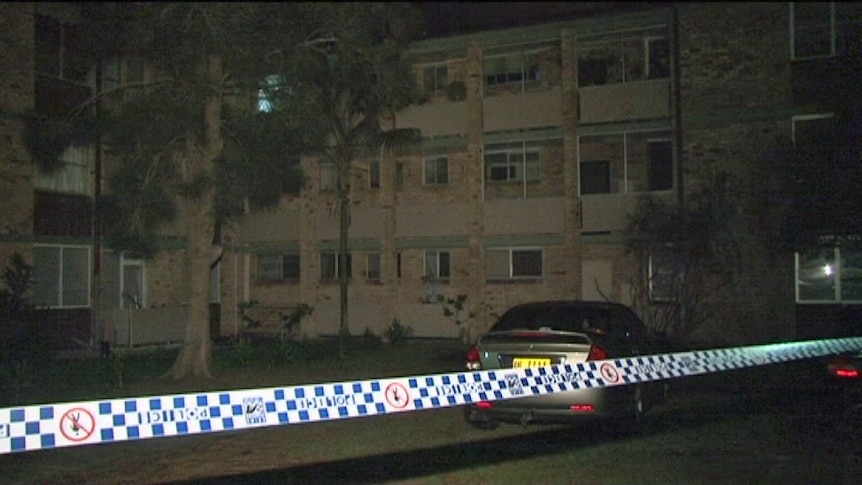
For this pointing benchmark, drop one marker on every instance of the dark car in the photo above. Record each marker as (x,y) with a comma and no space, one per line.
(565,332)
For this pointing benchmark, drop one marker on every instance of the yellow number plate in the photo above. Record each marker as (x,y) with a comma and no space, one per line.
(519,362)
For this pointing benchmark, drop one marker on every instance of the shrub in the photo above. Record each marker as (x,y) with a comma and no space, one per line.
(397,332)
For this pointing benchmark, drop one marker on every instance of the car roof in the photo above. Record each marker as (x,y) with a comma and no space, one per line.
(568,315)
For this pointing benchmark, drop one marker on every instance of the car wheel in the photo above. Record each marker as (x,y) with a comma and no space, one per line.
(635,421)
(479,420)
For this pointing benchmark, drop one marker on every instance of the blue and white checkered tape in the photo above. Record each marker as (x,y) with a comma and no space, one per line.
(39,427)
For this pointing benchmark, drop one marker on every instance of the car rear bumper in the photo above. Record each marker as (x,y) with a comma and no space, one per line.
(577,405)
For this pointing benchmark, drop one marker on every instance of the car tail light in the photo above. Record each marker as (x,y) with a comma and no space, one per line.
(598,353)
(484,405)
(582,408)
(842,367)
(473,361)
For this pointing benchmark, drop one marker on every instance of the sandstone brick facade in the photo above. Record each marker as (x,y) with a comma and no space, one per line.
(726,102)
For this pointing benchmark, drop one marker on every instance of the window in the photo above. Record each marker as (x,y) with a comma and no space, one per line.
(117,73)
(813,131)
(372,266)
(516,68)
(215,283)
(73,175)
(267,94)
(665,276)
(61,276)
(824,29)
(131,282)
(328,177)
(512,162)
(399,175)
(437,265)
(503,264)
(829,274)
(436,171)
(626,163)
(595,177)
(56,214)
(435,79)
(657,60)
(329,266)
(278,267)
(398,264)
(660,165)
(55,54)
(623,57)
(374,174)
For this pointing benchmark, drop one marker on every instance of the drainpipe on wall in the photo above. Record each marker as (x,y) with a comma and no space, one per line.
(676,109)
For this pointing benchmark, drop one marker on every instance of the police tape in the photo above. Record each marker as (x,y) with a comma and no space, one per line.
(47,426)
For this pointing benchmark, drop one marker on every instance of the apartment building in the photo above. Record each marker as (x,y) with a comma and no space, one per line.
(538,141)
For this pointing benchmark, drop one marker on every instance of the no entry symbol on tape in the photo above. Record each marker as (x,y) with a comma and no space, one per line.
(77,424)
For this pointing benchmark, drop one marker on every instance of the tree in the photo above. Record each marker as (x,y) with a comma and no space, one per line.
(349,77)
(186,144)
(687,259)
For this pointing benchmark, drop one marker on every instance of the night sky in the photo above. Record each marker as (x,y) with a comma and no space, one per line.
(451,18)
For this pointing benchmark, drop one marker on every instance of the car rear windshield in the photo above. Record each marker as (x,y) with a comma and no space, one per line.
(566,318)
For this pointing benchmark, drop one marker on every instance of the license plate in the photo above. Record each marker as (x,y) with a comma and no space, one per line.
(520,362)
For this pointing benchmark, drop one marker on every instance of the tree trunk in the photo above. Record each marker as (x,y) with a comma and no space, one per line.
(343,226)
(195,356)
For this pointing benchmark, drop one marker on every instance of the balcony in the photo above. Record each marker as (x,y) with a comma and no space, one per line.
(637,100)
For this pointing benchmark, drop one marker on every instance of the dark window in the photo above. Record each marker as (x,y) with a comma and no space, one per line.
(660,165)
(374,174)
(659,59)
(281,267)
(595,177)
(62,215)
(329,266)
(592,72)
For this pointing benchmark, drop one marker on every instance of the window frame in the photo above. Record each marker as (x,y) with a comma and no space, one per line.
(59,273)
(332,176)
(628,137)
(646,37)
(337,273)
(511,263)
(369,275)
(517,172)
(131,261)
(836,271)
(525,75)
(282,265)
(437,263)
(436,162)
(803,118)
(374,174)
(436,89)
